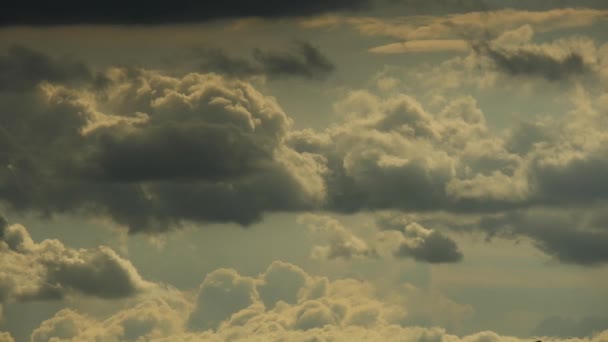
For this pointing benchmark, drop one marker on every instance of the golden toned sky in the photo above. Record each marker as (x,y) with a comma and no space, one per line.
(371,170)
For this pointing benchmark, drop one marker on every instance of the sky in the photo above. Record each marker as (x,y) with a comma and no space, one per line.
(338,170)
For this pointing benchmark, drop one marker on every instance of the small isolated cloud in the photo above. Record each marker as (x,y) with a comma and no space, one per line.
(417,242)
(50,270)
(304,60)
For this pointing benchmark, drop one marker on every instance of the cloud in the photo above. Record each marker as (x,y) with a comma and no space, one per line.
(6,337)
(411,240)
(50,270)
(468,25)
(562,234)
(281,282)
(344,309)
(150,319)
(151,151)
(178,12)
(304,61)
(421,46)
(23,68)
(341,241)
(222,293)
(513,54)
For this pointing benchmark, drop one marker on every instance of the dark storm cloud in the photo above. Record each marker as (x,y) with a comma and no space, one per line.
(68,12)
(151,154)
(22,69)
(199,148)
(534,63)
(304,61)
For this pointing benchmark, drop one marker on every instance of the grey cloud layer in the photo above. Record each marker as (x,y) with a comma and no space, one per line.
(69,12)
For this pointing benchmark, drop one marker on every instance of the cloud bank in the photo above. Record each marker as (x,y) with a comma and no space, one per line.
(236,307)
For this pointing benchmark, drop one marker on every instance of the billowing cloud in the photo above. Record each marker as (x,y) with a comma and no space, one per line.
(344,309)
(113,12)
(152,150)
(50,270)
(304,61)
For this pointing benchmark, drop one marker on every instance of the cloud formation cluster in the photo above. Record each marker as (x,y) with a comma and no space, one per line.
(153,151)
(283,303)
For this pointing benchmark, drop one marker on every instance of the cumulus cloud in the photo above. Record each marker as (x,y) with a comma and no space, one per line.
(50,270)
(393,154)
(150,319)
(344,309)
(222,293)
(304,61)
(151,150)
(417,242)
